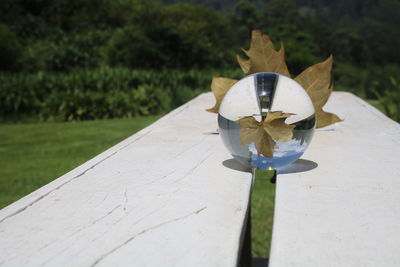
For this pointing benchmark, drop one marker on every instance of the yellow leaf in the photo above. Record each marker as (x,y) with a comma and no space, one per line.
(219,86)
(244,63)
(263,57)
(252,131)
(326,118)
(274,124)
(316,80)
(249,122)
(264,134)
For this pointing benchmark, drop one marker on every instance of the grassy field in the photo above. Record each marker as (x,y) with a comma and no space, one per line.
(34,154)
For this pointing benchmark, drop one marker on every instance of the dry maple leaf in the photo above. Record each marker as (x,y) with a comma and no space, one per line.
(276,127)
(219,86)
(263,57)
(244,64)
(264,133)
(316,80)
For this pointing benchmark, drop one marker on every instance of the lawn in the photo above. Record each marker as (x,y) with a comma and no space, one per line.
(34,154)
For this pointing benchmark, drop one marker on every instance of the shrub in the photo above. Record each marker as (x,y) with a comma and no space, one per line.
(388,99)
(86,105)
(10,49)
(130,47)
(100,93)
(65,52)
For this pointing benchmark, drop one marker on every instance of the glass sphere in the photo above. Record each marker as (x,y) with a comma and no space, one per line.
(256,95)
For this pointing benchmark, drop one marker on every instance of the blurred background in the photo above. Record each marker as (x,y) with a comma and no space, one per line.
(111,67)
(92,59)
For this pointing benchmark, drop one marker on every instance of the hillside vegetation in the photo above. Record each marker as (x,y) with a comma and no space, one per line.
(85,59)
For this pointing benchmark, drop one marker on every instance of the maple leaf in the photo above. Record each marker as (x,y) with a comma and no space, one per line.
(219,86)
(264,133)
(275,126)
(316,80)
(244,64)
(263,57)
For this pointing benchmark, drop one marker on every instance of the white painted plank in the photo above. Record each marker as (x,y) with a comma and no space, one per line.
(346,211)
(162,197)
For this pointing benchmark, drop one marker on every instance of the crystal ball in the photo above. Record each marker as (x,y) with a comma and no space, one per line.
(256,95)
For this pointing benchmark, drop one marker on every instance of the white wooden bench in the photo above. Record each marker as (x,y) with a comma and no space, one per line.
(346,211)
(170,196)
(162,197)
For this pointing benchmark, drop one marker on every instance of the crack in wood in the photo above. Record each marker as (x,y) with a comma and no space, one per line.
(126,195)
(187,149)
(192,169)
(179,111)
(104,216)
(76,232)
(134,223)
(158,179)
(145,231)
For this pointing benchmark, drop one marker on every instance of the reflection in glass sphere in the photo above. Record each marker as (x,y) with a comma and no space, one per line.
(255,95)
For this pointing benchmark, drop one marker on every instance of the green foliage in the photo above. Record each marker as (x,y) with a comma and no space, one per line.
(280,12)
(364,81)
(300,49)
(348,45)
(66,36)
(204,36)
(10,49)
(348,77)
(189,35)
(379,26)
(244,20)
(88,105)
(129,46)
(176,36)
(100,93)
(65,53)
(388,99)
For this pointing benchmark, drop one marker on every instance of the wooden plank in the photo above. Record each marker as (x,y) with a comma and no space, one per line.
(346,211)
(162,197)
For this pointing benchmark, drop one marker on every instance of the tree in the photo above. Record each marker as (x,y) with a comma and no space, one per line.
(177,36)
(244,20)
(10,49)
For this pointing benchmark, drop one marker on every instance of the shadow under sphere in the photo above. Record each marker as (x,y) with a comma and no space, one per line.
(300,165)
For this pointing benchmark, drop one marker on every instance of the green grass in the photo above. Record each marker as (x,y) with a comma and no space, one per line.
(262,211)
(34,154)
